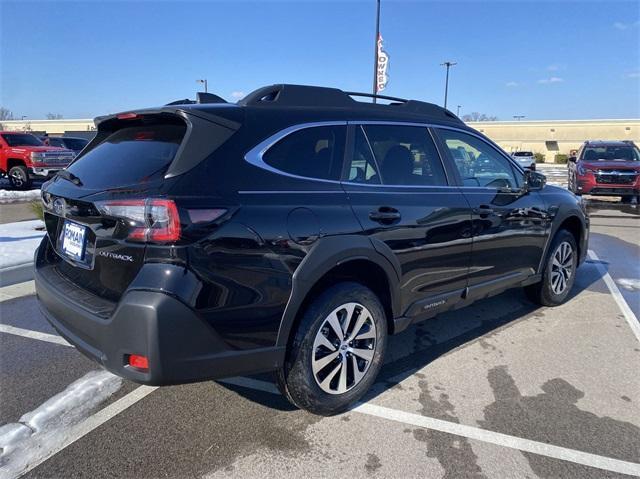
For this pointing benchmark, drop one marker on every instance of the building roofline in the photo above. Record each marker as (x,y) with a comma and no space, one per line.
(539,122)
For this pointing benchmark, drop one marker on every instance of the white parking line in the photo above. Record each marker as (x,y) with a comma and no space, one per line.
(499,439)
(505,440)
(27,333)
(628,314)
(513,442)
(17,290)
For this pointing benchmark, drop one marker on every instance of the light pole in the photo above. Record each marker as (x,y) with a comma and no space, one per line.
(519,117)
(205,84)
(458,112)
(23,117)
(375,52)
(447,64)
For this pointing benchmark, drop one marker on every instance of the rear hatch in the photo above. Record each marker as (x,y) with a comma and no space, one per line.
(106,210)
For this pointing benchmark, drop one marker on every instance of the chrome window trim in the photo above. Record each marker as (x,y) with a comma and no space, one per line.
(255,154)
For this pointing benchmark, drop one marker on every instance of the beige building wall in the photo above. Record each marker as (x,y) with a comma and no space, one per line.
(546,137)
(53,127)
(559,136)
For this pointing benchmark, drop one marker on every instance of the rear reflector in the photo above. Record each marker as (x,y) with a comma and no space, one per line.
(138,362)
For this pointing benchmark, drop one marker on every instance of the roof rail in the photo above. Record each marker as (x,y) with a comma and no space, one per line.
(371,95)
(286,95)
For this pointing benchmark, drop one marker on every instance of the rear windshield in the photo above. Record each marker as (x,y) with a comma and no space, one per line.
(523,153)
(131,155)
(22,139)
(613,152)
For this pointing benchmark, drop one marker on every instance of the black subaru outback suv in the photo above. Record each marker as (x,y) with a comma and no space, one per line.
(290,232)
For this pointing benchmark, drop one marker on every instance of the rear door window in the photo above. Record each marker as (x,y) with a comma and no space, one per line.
(128,156)
(405,156)
(315,152)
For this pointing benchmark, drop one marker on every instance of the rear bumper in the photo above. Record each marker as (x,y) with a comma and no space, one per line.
(179,345)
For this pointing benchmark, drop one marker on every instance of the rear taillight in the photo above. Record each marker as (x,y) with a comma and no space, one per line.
(149,220)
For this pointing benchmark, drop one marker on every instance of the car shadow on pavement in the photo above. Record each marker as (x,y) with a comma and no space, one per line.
(425,342)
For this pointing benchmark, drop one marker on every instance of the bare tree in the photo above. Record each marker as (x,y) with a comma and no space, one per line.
(54,116)
(5,114)
(475,116)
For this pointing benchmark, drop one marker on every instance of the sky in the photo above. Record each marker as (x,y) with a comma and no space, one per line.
(543,60)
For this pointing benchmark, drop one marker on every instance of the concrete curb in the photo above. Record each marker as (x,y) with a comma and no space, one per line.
(18,273)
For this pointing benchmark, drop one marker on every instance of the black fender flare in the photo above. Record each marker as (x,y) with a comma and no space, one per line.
(326,254)
(561,215)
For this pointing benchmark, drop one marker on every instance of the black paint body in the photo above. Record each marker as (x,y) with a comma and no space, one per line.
(224,299)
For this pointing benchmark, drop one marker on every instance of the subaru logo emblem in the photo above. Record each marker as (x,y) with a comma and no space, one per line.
(59,206)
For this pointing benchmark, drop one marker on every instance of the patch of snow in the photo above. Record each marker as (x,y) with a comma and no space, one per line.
(41,430)
(18,242)
(7,196)
(630,284)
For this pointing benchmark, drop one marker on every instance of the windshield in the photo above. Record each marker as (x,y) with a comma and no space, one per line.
(612,152)
(21,139)
(523,153)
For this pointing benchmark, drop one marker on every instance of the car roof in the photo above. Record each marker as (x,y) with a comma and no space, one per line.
(303,103)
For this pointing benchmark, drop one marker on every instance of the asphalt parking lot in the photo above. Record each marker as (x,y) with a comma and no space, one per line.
(499,389)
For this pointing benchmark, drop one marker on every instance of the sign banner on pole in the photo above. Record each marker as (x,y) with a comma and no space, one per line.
(383,63)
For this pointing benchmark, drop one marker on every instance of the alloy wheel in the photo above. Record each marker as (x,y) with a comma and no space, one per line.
(343,348)
(561,267)
(17,178)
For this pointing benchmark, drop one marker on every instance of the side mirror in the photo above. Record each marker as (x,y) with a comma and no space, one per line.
(573,159)
(533,180)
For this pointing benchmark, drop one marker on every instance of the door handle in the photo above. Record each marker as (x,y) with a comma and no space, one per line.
(385,214)
(483,211)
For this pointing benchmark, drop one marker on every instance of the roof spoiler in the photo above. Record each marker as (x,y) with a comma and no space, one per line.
(201,98)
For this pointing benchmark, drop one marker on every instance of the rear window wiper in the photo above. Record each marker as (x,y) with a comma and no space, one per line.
(67,175)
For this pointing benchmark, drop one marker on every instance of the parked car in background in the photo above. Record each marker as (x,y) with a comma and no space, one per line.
(609,168)
(291,232)
(24,157)
(68,142)
(526,159)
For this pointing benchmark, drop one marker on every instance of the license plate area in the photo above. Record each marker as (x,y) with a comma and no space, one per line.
(73,241)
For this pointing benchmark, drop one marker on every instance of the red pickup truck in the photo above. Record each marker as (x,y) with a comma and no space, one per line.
(23,158)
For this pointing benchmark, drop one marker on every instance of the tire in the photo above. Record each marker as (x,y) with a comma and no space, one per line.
(317,387)
(19,177)
(572,186)
(559,274)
